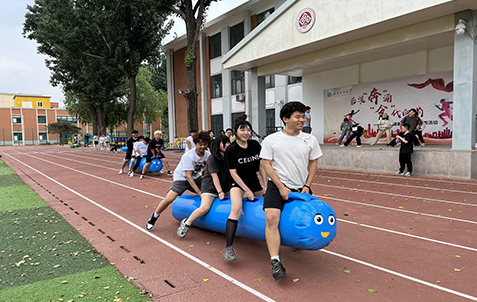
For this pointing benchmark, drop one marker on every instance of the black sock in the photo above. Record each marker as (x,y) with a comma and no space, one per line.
(230,229)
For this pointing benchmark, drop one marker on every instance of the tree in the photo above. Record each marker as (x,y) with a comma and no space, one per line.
(89,41)
(63,128)
(151,102)
(194,16)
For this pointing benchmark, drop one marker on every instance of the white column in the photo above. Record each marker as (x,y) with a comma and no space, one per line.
(203,82)
(170,95)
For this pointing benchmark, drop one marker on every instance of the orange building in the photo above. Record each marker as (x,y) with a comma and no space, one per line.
(24,120)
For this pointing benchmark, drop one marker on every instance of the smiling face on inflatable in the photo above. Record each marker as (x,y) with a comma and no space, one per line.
(307,222)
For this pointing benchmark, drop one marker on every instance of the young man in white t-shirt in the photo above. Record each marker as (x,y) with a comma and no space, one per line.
(289,170)
(187,175)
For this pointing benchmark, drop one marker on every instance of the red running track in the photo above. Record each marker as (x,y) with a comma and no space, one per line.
(399,239)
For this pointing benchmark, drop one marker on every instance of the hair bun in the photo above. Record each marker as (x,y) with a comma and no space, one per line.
(241,119)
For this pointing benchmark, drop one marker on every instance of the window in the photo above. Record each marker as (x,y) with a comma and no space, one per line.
(265,15)
(216,86)
(39,104)
(215,46)
(294,80)
(235,116)
(236,34)
(237,81)
(42,119)
(43,136)
(17,119)
(17,136)
(269,82)
(67,118)
(270,121)
(217,123)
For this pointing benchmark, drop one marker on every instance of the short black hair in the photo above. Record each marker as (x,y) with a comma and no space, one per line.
(140,137)
(201,136)
(229,129)
(345,119)
(193,131)
(147,139)
(407,126)
(290,107)
(413,109)
(134,131)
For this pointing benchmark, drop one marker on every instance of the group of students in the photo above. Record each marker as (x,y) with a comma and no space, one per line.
(230,169)
(411,127)
(139,147)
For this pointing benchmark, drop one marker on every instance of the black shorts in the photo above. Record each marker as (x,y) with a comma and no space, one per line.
(128,155)
(252,183)
(273,199)
(149,157)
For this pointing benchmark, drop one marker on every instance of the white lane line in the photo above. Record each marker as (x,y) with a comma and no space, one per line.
(399,185)
(103,179)
(409,235)
(400,195)
(398,210)
(377,228)
(234,281)
(379,174)
(337,199)
(403,276)
(168,244)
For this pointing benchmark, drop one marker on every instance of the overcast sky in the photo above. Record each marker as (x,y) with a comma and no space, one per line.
(23,70)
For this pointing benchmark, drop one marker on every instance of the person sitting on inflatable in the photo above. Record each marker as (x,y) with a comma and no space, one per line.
(130,144)
(243,161)
(140,151)
(290,170)
(187,175)
(216,183)
(154,151)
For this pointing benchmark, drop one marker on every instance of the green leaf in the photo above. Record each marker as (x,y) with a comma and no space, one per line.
(372,291)
(347,271)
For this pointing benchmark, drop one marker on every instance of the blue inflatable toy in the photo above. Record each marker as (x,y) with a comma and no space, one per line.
(155,166)
(125,148)
(306,222)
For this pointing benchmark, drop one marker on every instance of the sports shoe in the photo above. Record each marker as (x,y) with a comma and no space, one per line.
(408,174)
(170,173)
(183,229)
(341,146)
(278,270)
(358,146)
(141,177)
(121,171)
(131,174)
(399,173)
(151,222)
(229,253)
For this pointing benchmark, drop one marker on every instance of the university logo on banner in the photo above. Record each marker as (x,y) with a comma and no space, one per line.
(305,20)
(431,95)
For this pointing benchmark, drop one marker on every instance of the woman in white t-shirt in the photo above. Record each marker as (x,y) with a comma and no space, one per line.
(190,141)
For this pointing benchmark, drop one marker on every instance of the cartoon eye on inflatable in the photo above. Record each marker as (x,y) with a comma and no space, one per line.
(318,219)
(331,219)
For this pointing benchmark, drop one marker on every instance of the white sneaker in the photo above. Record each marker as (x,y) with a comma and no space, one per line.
(408,174)
(121,171)
(358,146)
(341,146)
(141,177)
(132,174)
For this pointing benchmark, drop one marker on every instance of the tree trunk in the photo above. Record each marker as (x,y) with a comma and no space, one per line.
(101,121)
(94,114)
(191,97)
(132,106)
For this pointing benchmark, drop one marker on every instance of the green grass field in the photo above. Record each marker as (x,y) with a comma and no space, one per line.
(42,258)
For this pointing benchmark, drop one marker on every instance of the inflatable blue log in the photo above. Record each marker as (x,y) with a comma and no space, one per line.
(305,223)
(156,165)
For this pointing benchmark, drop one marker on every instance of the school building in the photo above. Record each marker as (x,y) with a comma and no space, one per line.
(24,120)
(363,58)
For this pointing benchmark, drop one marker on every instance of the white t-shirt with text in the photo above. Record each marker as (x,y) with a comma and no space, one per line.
(190,161)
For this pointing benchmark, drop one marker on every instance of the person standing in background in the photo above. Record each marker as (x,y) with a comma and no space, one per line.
(307,125)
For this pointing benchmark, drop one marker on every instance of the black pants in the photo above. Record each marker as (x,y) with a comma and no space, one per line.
(420,139)
(351,137)
(405,159)
(137,163)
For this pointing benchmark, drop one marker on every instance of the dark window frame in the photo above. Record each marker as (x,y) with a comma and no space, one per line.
(263,15)
(215,46)
(40,122)
(236,77)
(236,34)
(215,83)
